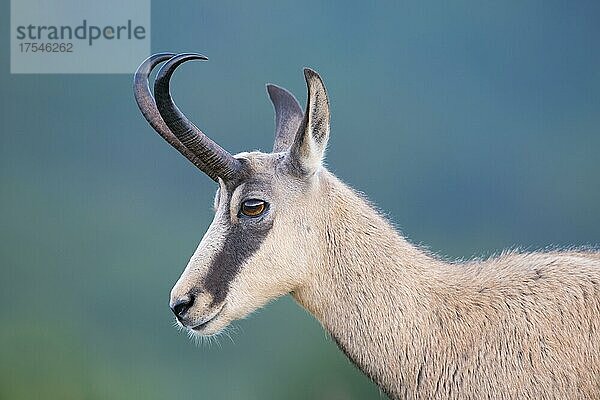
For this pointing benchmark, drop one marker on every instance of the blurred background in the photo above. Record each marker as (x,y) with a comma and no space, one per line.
(473,125)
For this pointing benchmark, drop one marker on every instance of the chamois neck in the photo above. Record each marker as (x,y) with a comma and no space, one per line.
(371,284)
(360,245)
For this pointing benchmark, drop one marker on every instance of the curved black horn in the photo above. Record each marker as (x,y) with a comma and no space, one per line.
(217,161)
(145,101)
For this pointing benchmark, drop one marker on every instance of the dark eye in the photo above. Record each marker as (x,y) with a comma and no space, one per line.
(253,207)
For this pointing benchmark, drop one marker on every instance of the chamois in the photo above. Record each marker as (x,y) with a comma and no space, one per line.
(519,325)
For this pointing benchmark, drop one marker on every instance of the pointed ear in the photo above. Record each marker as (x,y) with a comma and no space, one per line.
(288,117)
(308,149)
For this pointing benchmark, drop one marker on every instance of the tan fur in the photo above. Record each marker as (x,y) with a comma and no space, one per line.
(514,326)
(517,326)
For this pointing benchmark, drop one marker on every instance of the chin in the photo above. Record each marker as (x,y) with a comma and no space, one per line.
(211,328)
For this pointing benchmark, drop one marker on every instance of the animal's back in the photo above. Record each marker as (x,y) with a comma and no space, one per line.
(524,326)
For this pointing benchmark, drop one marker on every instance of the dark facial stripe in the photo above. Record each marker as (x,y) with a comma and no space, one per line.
(242,240)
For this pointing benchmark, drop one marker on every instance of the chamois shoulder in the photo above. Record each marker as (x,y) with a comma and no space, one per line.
(538,273)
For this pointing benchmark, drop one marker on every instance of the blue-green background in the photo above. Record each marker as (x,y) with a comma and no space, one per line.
(474,125)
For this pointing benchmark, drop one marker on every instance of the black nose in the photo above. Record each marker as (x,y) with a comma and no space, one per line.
(180,306)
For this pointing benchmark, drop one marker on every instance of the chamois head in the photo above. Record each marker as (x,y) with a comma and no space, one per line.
(264,237)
